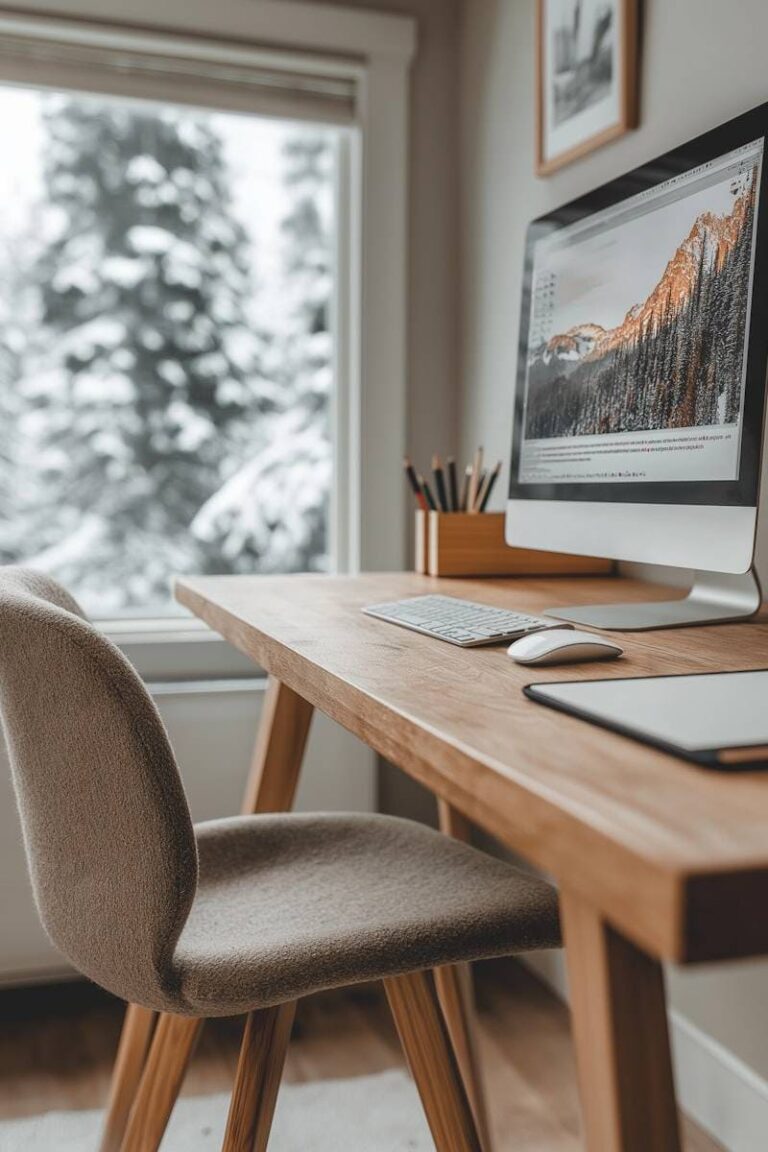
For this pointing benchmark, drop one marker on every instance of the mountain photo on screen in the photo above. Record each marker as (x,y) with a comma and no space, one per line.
(638,324)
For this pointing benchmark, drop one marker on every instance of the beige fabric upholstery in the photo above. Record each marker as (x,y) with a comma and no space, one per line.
(287,905)
(284,905)
(107,830)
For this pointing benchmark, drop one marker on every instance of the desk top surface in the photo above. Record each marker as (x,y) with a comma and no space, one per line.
(676,856)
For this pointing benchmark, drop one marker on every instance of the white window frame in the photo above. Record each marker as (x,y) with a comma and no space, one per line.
(368,522)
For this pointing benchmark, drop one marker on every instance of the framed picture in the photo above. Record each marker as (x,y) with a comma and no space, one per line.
(586,77)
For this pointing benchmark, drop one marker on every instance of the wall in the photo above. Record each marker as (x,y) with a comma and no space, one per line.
(433,302)
(703,61)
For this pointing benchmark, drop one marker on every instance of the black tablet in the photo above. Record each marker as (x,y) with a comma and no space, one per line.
(717,719)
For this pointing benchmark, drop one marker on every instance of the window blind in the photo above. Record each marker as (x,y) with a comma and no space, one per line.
(260,82)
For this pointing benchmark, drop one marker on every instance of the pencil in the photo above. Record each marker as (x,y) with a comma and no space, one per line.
(474,480)
(452,485)
(428,494)
(414,483)
(465,489)
(485,492)
(480,482)
(437,472)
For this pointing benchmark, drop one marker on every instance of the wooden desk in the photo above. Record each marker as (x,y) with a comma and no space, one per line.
(655,858)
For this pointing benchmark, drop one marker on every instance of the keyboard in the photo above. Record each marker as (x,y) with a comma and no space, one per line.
(461,622)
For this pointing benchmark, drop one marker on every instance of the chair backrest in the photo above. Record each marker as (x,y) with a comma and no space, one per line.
(106,825)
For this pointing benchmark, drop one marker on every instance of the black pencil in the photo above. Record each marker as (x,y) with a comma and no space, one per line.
(428,494)
(437,472)
(414,483)
(485,495)
(453,487)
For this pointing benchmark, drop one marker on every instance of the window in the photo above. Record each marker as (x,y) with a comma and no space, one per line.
(166,343)
(343,70)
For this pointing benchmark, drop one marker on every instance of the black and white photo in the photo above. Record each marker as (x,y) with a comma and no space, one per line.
(586,76)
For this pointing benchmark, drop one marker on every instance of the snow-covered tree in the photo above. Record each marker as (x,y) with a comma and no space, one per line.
(8,462)
(147,364)
(17,319)
(161,409)
(273,512)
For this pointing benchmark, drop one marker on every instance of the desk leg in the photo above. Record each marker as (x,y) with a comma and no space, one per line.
(279,751)
(620,1031)
(271,786)
(456,995)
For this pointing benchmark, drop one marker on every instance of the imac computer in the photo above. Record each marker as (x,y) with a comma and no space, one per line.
(641,377)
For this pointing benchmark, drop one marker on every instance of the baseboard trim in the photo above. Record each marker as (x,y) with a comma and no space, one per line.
(716,1089)
(30,977)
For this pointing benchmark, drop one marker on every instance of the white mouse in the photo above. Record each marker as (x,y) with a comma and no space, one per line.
(562,646)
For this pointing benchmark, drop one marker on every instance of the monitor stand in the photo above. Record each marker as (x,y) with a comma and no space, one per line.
(715,597)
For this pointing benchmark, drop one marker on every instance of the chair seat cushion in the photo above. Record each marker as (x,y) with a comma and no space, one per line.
(290,904)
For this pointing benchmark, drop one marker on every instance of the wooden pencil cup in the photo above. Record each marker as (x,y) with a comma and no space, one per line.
(473,544)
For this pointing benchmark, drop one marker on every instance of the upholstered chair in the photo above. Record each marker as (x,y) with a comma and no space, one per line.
(244,915)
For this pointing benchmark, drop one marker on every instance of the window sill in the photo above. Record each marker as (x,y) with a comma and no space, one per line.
(157,630)
(177,650)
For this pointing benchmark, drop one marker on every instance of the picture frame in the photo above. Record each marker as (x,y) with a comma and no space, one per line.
(586,77)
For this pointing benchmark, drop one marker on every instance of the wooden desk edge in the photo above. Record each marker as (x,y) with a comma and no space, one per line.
(705,919)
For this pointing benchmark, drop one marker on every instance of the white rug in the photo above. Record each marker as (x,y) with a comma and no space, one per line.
(365,1114)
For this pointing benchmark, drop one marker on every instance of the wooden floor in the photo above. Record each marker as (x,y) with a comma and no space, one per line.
(57,1044)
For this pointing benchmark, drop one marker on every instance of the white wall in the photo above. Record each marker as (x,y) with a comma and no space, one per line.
(703,61)
(433,301)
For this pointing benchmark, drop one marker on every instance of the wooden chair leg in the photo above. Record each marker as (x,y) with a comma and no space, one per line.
(132,1051)
(169,1055)
(620,1031)
(271,786)
(456,995)
(259,1071)
(427,1046)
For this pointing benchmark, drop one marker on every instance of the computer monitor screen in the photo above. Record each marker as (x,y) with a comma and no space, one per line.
(641,376)
(635,359)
